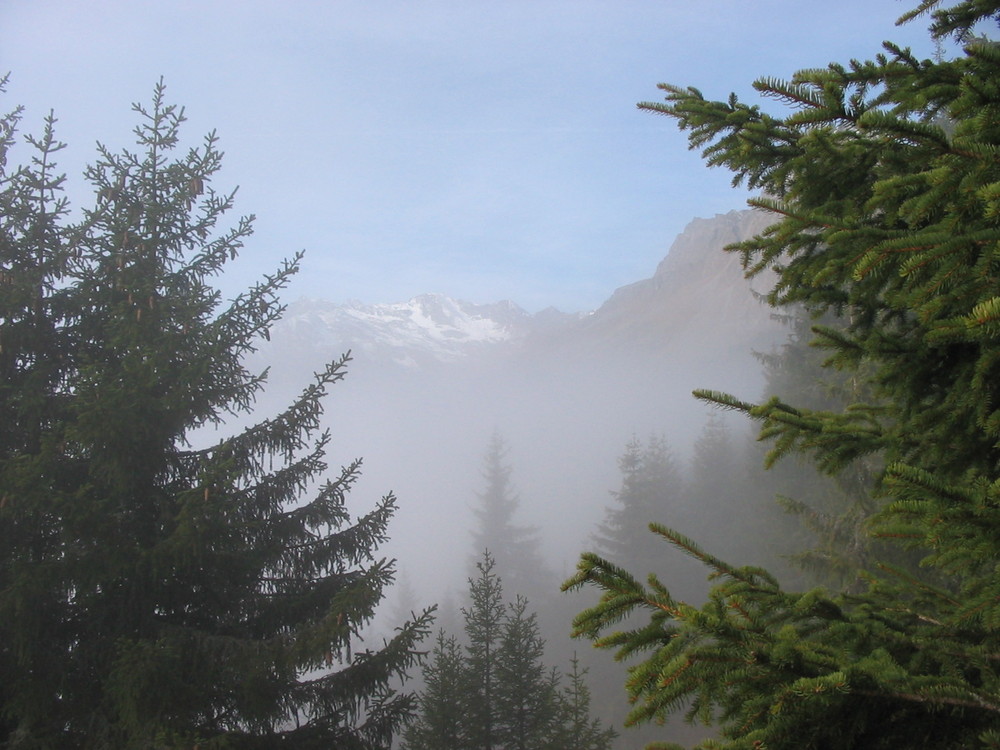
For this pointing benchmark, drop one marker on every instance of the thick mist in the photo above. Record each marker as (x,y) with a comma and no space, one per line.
(566,394)
(566,401)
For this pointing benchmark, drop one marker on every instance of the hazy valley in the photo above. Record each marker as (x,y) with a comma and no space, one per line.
(431,379)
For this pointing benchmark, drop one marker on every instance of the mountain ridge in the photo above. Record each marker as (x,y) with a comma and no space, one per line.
(696,294)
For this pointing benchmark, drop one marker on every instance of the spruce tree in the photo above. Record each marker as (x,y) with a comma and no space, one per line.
(514,548)
(715,484)
(495,690)
(484,622)
(830,544)
(883,184)
(159,589)
(527,692)
(652,488)
(714,461)
(580,729)
(440,723)
(33,264)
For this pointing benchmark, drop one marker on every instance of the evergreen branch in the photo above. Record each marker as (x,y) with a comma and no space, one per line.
(919,585)
(973,702)
(789,93)
(788,211)
(723,400)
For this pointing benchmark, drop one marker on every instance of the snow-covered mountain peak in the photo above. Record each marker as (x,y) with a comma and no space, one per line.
(431,326)
(697,300)
(441,318)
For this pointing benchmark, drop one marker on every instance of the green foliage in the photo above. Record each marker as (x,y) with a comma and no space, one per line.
(833,509)
(527,698)
(154,593)
(716,489)
(882,181)
(440,725)
(484,622)
(581,730)
(805,670)
(497,693)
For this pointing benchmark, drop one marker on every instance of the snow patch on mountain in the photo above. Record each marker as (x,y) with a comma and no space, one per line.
(429,325)
(697,301)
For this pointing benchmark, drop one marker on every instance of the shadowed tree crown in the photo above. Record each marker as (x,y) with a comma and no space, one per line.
(652,488)
(492,691)
(161,586)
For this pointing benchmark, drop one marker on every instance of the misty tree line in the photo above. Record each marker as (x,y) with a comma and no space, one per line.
(494,690)
(721,496)
(489,686)
(155,592)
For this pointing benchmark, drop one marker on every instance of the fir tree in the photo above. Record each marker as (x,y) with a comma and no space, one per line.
(154,593)
(719,500)
(581,730)
(33,265)
(715,473)
(440,724)
(527,692)
(883,183)
(714,461)
(651,488)
(830,545)
(497,691)
(484,622)
(513,548)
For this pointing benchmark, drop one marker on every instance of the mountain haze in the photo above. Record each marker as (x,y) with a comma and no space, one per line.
(696,296)
(413,334)
(432,378)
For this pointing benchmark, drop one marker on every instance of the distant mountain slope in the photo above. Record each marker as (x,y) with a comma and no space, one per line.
(430,325)
(697,299)
(432,378)
(425,331)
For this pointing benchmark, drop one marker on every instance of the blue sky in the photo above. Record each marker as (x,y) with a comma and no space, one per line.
(484,150)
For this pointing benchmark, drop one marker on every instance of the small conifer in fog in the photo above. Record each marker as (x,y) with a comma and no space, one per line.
(493,691)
